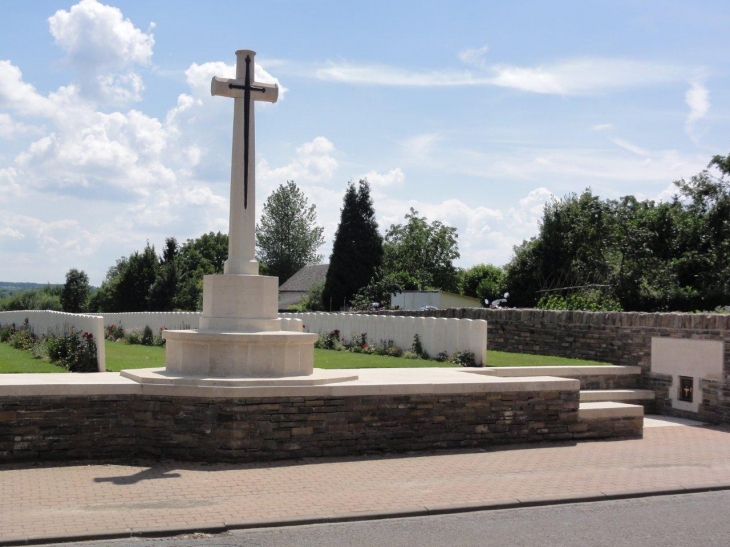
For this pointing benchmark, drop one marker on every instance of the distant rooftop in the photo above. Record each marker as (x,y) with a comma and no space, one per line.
(306,278)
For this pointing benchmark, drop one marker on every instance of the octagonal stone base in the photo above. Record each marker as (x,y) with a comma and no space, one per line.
(213,354)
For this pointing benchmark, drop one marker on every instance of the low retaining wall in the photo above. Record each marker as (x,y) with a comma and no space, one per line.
(112,427)
(620,338)
(436,334)
(44,322)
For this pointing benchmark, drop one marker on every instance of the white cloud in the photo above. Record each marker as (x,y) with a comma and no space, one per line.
(394,178)
(20,96)
(602,127)
(585,76)
(9,185)
(697,98)
(10,129)
(313,161)
(101,46)
(95,35)
(578,76)
(474,56)
(626,145)
(10,233)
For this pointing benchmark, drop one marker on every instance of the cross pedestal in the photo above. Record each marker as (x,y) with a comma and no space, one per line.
(239,335)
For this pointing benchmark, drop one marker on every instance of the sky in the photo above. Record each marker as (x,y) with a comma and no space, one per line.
(473,113)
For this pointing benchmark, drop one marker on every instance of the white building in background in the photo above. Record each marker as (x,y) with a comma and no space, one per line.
(415,300)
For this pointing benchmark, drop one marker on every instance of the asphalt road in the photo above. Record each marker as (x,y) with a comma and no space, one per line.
(688,520)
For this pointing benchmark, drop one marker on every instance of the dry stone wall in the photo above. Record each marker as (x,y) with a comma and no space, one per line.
(114,427)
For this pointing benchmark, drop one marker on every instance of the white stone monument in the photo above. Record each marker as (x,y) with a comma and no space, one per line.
(239,335)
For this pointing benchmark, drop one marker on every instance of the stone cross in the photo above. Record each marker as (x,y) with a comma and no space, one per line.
(242,225)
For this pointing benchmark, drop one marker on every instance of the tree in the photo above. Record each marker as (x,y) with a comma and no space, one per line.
(288,236)
(424,251)
(133,287)
(127,284)
(164,289)
(75,294)
(357,251)
(197,258)
(483,281)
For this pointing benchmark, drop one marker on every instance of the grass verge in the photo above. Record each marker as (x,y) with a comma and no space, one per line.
(120,356)
(16,360)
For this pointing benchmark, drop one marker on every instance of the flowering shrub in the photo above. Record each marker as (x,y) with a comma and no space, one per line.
(464,358)
(159,340)
(76,352)
(114,333)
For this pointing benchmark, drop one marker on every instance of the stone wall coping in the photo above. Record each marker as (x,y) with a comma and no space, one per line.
(603,370)
(671,320)
(412,381)
(597,411)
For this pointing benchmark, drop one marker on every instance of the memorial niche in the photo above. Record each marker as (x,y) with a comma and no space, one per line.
(685,388)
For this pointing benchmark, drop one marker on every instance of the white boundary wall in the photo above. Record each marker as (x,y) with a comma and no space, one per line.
(170,320)
(55,322)
(174,320)
(436,335)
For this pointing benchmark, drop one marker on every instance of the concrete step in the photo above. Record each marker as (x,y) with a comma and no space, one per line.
(607,410)
(565,371)
(616,395)
(591,377)
(605,420)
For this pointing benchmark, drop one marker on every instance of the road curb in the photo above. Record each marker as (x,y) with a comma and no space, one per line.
(418,511)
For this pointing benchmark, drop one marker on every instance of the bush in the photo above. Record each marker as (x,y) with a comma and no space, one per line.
(394,351)
(410,355)
(464,358)
(76,352)
(22,339)
(417,347)
(587,300)
(159,340)
(6,332)
(441,357)
(133,337)
(147,336)
(114,333)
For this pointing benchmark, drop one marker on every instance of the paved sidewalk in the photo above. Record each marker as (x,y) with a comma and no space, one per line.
(46,501)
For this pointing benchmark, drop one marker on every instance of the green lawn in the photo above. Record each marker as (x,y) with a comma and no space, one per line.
(505,359)
(120,356)
(15,360)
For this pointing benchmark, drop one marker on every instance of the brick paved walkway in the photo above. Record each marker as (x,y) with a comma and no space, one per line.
(65,500)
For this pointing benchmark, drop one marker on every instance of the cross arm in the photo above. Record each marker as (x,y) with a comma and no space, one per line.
(224,87)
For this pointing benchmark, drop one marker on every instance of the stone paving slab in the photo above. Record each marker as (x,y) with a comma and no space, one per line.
(45,502)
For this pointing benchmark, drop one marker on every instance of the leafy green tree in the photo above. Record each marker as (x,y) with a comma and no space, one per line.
(483,281)
(288,237)
(164,288)
(47,298)
(197,258)
(131,291)
(573,248)
(75,294)
(425,251)
(126,287)
(357,251)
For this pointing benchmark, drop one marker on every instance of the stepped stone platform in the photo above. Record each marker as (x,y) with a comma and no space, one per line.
(110,416)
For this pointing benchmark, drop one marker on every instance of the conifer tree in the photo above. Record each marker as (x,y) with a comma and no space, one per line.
(357,251)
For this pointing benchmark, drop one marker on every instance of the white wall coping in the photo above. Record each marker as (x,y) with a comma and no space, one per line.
(411,381)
